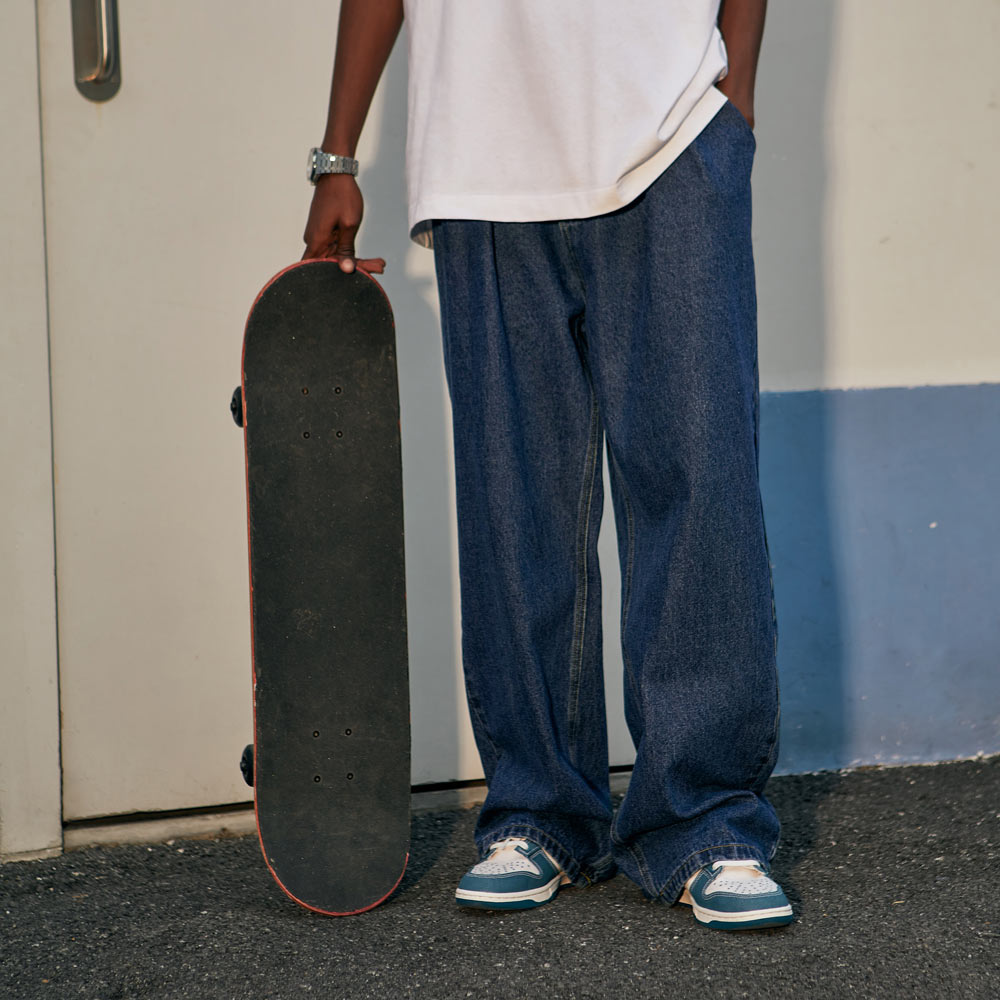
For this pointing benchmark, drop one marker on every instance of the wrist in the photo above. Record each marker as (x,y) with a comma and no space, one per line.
(321,163)
(740,94)
(339,145)
(737,84)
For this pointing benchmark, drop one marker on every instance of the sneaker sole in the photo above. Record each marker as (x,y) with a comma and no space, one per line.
(772,916)
(509,900)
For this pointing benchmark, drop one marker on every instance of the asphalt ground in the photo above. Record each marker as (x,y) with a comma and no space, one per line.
(894,874)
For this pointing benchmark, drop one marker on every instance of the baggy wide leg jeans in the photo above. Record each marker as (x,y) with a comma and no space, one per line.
(638,329)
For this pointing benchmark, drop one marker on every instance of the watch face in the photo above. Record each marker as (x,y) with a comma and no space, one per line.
(311,166)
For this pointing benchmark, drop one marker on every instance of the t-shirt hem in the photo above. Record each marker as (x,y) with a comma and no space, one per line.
(566,204)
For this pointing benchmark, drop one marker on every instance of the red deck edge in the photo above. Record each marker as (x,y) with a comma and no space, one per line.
(316,909)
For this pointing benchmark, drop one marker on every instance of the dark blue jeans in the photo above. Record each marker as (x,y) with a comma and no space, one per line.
(637,328)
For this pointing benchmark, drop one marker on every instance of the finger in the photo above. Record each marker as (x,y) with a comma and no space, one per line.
(313,251)
(316,237)
(319,246)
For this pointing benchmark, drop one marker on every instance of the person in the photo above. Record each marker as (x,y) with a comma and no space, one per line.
(582,172)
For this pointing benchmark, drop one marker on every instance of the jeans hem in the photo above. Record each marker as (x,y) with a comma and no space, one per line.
(580,875)
(674,885)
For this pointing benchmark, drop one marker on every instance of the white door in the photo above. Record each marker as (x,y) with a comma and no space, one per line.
(167,207)
(157,232)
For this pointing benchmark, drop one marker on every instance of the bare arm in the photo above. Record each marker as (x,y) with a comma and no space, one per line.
(367,31)
(741,23)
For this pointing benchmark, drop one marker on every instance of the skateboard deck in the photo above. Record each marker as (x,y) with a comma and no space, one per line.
(330,763)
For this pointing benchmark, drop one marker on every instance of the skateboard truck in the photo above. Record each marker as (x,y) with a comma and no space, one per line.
(246,764)
(236,405)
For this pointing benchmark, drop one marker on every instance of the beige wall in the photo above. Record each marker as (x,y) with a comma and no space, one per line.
(877,204)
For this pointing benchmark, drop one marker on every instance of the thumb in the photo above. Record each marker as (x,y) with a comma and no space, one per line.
(344,250)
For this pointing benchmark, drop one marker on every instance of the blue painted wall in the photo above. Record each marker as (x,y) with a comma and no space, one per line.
(884,528)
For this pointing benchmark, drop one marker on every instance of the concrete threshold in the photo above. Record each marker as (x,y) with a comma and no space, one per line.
(241,822)
(117,830)
(154,830)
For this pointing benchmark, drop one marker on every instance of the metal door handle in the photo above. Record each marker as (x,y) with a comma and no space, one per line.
(96,56)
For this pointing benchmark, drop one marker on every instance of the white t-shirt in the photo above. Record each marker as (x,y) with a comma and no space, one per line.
(524,110)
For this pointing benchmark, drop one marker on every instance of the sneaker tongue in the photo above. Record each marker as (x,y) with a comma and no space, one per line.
(739,869)
(509,842)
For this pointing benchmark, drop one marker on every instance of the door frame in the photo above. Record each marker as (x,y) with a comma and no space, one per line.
(30,770)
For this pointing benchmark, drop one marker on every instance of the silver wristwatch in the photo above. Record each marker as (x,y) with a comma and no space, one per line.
(329,163)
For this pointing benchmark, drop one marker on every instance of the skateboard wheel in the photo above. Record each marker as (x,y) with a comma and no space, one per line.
(246,764)
(236,405)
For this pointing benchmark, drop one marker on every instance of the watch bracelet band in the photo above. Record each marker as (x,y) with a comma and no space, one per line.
(330,163)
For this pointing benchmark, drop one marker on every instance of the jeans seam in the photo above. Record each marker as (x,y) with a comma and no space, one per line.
(770,757)
(473,702)
(568,243)
(644,870)
(582,583)
(642,865)
(627,578)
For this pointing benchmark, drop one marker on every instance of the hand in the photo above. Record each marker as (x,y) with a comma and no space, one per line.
(334,216)
(739,97)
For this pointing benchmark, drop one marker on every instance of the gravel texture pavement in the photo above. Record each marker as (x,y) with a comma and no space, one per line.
(893,874)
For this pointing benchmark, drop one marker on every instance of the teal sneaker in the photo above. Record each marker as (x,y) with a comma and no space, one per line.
(736,896)
(516,875)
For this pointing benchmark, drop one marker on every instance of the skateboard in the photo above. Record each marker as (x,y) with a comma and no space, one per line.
(330,761)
